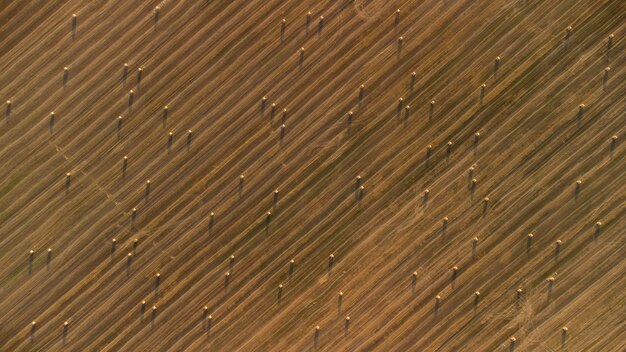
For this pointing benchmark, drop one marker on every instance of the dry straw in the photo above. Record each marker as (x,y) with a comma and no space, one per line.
(496,66)
(74,23)
(52,117)
(613,142)
(148,184)
(512,342)
(550,283)
(581,111)
(431,109)
(568,32)
(291,267)
(476,298)
(482,93)
(209,321)
(135,245)
(361,193)
(66,74)
(275,197)
(124,164)
(316,336)
(211,220)
(205,312)
(283,27)
(131,98)
(283,116)
(166,110)
(31,255)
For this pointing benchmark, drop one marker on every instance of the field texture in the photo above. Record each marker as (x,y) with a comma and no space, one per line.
(354,178)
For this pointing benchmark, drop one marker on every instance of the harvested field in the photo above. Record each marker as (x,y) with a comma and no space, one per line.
(204,176)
